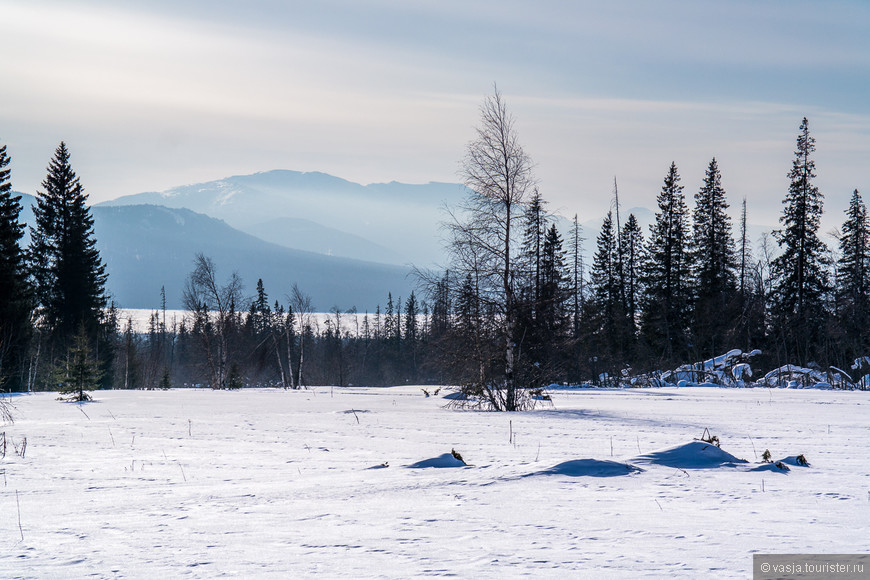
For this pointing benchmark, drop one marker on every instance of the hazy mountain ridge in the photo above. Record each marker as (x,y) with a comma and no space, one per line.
(304,234)
(146,247)
(402,218)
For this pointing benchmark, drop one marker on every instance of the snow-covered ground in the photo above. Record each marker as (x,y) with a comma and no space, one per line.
(322,482)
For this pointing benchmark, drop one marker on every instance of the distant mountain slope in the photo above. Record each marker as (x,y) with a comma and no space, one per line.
(146,247)
(311,236)
(404,218)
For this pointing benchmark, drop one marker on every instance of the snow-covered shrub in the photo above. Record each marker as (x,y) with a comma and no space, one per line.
(5,411)
(862,368)
(793,377)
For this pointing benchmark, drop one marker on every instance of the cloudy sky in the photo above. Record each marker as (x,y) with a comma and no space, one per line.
(150,95)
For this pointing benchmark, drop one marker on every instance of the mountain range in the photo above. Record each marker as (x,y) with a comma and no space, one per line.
(148,247)
(346,245)
(394,223)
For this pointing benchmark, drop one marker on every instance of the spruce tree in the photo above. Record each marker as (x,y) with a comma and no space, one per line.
(667,290)
(14,290)
(555,288)
(800,279)
(607,315)
(632,267)
(714,265)
(533,242)
(78,372)
(260,311)
(66,266)
(604,275)
(853,277)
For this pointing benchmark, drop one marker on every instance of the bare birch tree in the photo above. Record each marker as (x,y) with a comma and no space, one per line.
(485,230)
(300,302)
(214,308)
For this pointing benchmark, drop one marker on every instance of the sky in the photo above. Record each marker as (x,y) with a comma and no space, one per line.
(152,95)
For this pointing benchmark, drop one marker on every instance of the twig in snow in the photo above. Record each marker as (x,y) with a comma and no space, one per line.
(638,443)
(189,428)
(355,415)
(753,448)
(20,448)
(110,413)
(112,436)
(18,503)
(83,413)
(182,470)
(658,504)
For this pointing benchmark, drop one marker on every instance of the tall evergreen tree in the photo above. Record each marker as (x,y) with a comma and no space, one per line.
(14,290)
(555,288)
(605,277)
(607,318)
(66,266)
(533,242)
(714,265)
(853,277)
(632,267)
(667,290)
(800,279)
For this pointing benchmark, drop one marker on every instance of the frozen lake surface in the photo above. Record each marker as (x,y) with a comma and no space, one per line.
(361,482)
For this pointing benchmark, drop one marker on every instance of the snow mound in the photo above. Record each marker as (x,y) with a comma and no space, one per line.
(795,460)
(776,467)
(445,460)
(692,455)
(590,468)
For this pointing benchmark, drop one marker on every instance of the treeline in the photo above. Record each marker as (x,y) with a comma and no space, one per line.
(519,305)
(526,310)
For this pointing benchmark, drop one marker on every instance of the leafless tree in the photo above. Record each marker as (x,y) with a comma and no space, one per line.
(484,231)
(214,310)
(300,302)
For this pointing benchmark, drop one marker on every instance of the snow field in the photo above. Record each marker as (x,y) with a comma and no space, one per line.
(273,483)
